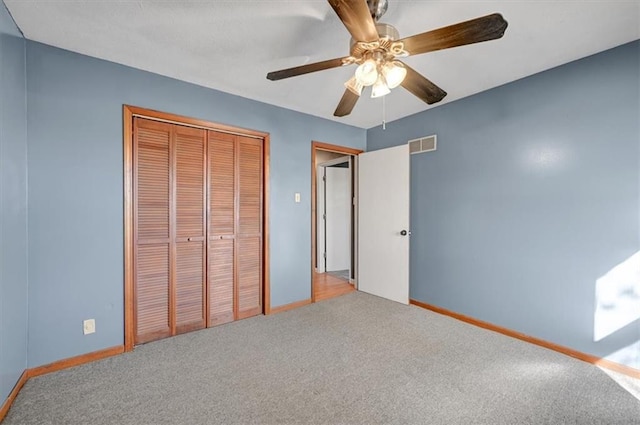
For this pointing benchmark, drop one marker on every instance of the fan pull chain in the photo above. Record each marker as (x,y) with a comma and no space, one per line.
(384,113)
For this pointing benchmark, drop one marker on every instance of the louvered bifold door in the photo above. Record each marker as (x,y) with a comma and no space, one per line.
(249,223)
(190,224)
(221,153)
(152,229)
(198,212)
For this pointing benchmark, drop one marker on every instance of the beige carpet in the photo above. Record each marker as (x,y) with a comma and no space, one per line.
(357,359)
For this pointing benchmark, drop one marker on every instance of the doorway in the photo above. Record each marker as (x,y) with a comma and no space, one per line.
(334,245)
(333,221)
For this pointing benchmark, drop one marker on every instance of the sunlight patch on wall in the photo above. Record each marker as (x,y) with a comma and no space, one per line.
(617,298)
(544,157)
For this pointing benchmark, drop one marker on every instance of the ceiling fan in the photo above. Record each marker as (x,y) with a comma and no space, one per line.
(376,47)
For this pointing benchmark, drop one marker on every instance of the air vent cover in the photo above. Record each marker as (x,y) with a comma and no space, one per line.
(423,144)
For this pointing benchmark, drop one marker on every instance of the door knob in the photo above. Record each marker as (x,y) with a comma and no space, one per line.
(404,233)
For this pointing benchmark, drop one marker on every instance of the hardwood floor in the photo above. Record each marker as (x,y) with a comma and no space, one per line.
(326,286)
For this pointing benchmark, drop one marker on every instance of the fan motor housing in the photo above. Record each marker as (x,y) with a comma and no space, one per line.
(385,31)
(388,31)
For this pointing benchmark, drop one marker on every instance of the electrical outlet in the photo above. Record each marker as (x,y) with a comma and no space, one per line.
(89,326)
(297,197)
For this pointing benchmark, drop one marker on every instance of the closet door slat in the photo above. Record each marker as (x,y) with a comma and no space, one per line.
(152,229)
(190,223)
(221,152)
(249,276)
(221,280)
(152,166)
(250,186)
(222,157)
(249,235)
(190,288)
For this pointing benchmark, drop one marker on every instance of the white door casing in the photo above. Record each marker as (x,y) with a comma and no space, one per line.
(383,213)
(338,218)
(320,231)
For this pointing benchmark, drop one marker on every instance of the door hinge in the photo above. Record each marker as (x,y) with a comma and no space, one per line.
(324,254)
(324,216)
(324,178)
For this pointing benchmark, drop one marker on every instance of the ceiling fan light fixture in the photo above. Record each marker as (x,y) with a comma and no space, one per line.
(394,73)
(380,88)
(354,86)
(375,48)
(367,72)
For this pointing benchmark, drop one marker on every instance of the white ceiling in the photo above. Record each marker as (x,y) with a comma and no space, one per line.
(231,45)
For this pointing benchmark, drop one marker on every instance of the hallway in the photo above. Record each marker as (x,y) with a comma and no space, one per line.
(326,286)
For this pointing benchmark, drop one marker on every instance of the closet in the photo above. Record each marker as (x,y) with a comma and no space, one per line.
(197,228)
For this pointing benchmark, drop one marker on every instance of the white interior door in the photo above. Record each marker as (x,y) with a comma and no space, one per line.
(383,217)
(338,218)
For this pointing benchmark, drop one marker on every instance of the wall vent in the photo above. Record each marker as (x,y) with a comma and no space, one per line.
(423,144)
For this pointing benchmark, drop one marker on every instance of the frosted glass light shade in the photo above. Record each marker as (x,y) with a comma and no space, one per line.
(367,72)
(354,86)
(394,72)
(380,88)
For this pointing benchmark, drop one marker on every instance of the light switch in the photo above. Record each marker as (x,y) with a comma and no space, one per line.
(297,197)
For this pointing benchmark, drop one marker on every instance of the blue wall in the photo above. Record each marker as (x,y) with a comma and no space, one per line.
(76,196)
(13,205)
(531,197)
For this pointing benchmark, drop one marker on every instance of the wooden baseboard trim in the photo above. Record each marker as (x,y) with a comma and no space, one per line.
(12,395)
(291,306)
(54,367)
(598,361)
(75,361)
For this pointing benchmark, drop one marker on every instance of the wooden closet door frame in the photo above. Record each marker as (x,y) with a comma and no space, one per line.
(129,112)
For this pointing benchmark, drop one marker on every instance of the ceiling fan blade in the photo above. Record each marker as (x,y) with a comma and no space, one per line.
(305,69)
(486,28)
(421,87)
(346,104)
(355,15)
